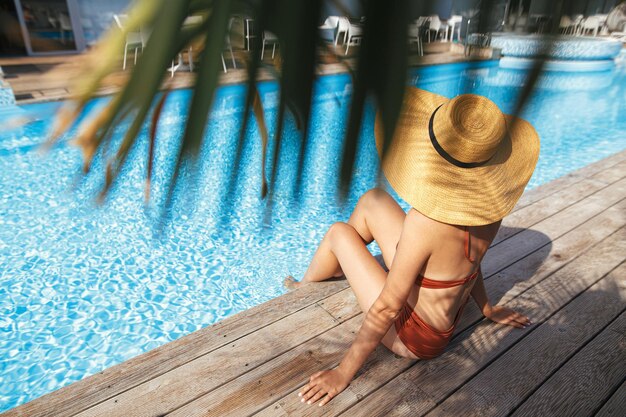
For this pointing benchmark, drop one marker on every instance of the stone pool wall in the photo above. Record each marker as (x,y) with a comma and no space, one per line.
(7,98)
(561,48)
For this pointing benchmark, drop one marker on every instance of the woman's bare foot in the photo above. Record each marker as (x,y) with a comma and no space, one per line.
(290,283)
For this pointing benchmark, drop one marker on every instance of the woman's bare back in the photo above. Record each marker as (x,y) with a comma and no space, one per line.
(447,262)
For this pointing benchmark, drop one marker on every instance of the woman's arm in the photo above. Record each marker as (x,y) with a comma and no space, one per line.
(480,295)
(411,255)
(498,314)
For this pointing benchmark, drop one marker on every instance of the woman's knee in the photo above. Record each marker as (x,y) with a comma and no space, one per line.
(373,196)
(340,230)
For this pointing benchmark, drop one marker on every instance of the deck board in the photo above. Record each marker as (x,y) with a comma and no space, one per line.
(498,389)
(562,240)
(616,405)
(193,379)
(611,163)
(582,384)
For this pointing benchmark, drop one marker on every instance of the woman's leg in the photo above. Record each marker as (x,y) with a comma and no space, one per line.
(343,250)
(364,274)
(377,216)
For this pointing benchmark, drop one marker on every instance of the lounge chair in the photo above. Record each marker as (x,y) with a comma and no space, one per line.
(353,33)
(566,25)
(331,23)
(591,24)
(434,25)
(269,38)
(452,23)
(414,37)
(134,40)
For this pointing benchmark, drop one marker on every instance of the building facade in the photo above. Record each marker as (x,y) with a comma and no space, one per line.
(45,27)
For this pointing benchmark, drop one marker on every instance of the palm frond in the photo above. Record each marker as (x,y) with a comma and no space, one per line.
(379,74)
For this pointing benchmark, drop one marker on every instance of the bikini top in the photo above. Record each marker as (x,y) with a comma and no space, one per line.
(424,282)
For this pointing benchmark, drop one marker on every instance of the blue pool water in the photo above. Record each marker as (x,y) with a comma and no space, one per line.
(84,287)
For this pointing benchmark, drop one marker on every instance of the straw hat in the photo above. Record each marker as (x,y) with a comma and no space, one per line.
(458,161)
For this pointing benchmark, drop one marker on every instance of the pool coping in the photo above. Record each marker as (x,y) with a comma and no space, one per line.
(184,80)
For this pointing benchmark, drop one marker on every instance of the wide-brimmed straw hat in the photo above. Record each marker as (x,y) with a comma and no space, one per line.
(458,161)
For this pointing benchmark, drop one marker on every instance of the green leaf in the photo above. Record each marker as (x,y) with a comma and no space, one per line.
(204,89)
(382,71)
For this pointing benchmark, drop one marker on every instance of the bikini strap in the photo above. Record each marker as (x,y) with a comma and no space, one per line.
(467,244)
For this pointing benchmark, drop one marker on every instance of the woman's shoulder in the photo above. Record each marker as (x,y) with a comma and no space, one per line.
(420,221)
(427,227)
(424,221)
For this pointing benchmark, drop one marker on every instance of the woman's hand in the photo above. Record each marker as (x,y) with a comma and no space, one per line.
(507,316)
(325,384)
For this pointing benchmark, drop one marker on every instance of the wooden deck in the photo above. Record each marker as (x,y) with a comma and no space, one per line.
(559,259)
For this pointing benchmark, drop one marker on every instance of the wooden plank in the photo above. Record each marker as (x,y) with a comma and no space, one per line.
(551,228)
(264,385)
(112,381)
(571,192)
(478,346)
(341,306)
(544,190)
(505,383)
(582,385)
(616,405)
(522,275)
(174,388)
(542,209)
(611,175)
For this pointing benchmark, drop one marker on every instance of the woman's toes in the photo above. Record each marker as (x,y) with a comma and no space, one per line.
(291,283)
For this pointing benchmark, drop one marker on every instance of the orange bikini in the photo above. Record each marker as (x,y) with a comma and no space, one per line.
(419,337)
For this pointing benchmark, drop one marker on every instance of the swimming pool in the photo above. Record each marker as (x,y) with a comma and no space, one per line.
(83,288)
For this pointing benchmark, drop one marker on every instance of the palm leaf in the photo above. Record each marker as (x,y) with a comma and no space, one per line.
(203,92)
(382,70)
(380,74)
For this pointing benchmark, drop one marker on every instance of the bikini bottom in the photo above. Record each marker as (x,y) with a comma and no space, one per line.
(421,338)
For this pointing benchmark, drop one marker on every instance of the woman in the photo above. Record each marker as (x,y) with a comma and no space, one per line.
(462,165)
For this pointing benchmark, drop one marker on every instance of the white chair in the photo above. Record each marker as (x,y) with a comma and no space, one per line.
(197,20)
(577,21)
(133,39)
(65,25)
(414,37)
(422,21)
(422,24)
(228,45)
(269,38)
(353,34)
(343,26)
(434,25)
(331,23)
(566,24)
(591,24)
(193,20)
(452,23)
